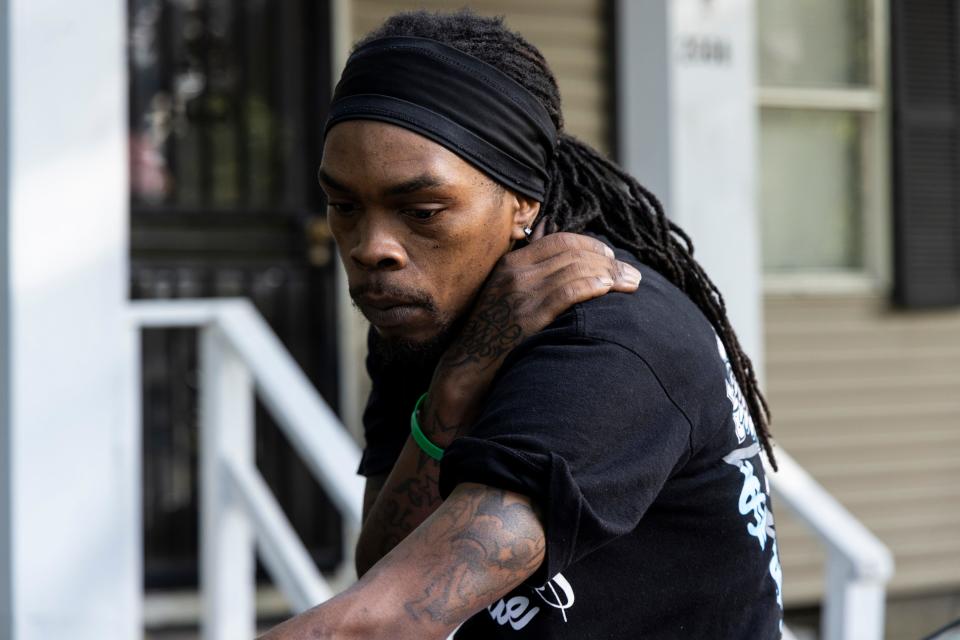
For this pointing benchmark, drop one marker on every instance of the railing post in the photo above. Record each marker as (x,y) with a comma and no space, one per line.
(858,564)
(226,537)
(853,607)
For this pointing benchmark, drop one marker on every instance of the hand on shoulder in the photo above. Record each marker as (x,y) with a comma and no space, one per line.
(527,290)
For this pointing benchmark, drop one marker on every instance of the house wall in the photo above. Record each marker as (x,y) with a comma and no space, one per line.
(867,399)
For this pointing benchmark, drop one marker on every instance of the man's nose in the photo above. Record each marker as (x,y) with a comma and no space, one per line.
(378,247)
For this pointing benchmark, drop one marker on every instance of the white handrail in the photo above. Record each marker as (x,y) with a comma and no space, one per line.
(858,563)
(288,562)
(313,429)
(240,353)
(836,528)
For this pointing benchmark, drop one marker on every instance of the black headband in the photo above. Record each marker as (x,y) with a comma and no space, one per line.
(454,99)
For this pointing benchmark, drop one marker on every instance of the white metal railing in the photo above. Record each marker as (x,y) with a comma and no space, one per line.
(238,355)
(858,564)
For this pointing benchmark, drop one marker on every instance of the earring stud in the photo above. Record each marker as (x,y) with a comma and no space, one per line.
(527,231)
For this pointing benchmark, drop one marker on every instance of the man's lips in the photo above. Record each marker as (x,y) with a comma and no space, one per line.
(388,311)
(381,301)
(392,317)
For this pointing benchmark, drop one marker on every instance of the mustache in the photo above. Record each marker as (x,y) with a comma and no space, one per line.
(414,297)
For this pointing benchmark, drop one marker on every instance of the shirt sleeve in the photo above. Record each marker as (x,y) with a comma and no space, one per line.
(384,433)
(585,429)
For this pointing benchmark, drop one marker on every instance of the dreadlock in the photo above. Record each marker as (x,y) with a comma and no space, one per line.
(588,192)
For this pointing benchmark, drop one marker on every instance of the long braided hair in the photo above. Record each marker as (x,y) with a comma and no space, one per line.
(587,191)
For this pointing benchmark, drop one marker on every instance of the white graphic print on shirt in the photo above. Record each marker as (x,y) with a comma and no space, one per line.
(753,500)
(517,611)
(742,422)
(554,598)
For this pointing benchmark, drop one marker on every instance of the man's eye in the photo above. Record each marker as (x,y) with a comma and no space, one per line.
(342,208)
(420,214)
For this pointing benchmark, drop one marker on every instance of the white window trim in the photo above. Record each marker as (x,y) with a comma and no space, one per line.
(873,102)
(840,283)
(865,99)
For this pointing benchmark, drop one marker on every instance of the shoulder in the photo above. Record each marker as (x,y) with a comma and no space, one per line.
(656,332)
(656,324)
(661,326)
(657,321)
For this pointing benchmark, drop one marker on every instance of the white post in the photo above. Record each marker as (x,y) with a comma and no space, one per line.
(687,126)
(852,607)
(70,532)
(226,537)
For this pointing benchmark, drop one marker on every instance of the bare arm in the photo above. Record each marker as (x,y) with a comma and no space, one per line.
(478,545)
(404,499)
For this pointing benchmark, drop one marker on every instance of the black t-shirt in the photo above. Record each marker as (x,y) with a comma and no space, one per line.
(623,421)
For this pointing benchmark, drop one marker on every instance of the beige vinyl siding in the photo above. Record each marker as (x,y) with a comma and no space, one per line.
(867,399)
(571,34)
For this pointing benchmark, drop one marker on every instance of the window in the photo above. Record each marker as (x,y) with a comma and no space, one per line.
(822,138)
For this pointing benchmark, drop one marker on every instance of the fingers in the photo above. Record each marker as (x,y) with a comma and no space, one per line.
(556,243)
(584,264)
(563,269)
(587,278)
(629,279)
(573,293)
(615,274)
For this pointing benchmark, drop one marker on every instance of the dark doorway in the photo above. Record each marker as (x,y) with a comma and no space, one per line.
(227,101)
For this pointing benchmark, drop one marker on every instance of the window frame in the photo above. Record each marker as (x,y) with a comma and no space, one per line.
(871,102)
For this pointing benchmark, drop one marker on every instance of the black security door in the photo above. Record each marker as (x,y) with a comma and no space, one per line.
(227,100)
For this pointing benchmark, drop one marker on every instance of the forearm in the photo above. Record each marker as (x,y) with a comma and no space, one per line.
(409,495)
(411,491)
(478,546)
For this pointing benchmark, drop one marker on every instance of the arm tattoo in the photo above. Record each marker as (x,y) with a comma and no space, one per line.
(409,495)
(405,501)
(407,505)
(482,543)
(491,332)
(437,429)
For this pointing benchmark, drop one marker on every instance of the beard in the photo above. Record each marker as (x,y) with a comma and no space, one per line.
(418,357)
(400,354)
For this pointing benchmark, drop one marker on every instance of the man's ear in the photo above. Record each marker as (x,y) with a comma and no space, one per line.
(525,211)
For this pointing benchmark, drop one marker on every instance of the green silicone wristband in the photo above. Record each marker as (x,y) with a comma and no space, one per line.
(424,443)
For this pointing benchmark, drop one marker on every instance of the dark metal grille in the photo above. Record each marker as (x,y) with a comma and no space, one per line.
(227,98)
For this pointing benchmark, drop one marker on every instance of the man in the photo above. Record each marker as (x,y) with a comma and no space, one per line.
(553,449)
